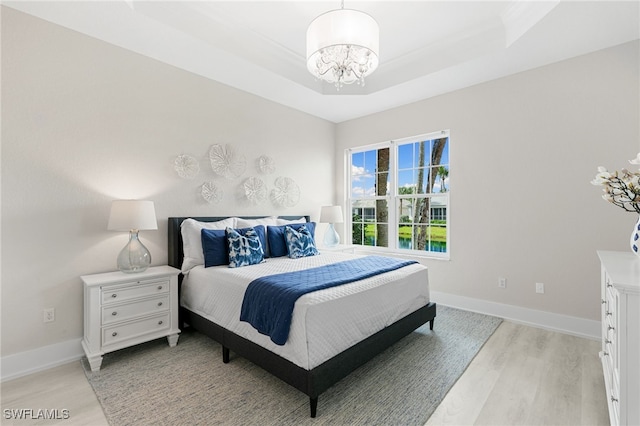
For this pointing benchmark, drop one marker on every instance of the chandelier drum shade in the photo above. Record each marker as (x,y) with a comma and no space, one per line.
(343,46)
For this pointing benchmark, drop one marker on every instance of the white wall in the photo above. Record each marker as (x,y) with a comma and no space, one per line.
(83,123)
(523,151)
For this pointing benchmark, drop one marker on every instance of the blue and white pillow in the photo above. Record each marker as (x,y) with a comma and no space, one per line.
(216,248)
(244,249)
(300,243)
(277,241)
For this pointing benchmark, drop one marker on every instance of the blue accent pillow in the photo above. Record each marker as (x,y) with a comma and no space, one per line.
(275,236)
(215,247)
(299,243)
(244,249)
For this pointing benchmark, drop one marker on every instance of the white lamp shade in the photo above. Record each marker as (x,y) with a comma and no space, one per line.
(342,27)
(331,214)
(132,214)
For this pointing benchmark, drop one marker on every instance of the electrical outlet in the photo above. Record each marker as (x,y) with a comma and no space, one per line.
(540,288)
(502,282)
(49,315)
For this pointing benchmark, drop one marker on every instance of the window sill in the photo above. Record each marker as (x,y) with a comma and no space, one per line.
(410,254)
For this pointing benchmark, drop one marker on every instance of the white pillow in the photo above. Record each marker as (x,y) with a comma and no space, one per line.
(250,223)
(287,221)
(192,240)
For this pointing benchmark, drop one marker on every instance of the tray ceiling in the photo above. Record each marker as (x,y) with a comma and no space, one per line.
(427,48)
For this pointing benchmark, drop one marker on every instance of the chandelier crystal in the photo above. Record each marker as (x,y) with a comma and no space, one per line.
(342,46)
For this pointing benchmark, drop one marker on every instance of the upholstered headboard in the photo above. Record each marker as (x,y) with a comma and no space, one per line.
(175,235)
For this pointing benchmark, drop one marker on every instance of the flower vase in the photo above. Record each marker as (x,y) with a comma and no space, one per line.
(635,238)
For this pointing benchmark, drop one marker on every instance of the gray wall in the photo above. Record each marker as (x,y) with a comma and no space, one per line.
(523,152)
(84,123)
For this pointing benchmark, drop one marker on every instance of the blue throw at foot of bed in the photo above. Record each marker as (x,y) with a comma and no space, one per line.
(268,301)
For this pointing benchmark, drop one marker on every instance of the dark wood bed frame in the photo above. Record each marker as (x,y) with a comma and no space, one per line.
(311,382)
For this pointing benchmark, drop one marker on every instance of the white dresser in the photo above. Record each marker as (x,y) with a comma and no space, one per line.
(121,310)
(621,335)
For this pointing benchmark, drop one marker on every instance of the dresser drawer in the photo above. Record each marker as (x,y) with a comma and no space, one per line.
(117,333)
(114,294)
(113,313)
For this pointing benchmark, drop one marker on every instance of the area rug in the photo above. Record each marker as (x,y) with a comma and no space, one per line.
(153,384)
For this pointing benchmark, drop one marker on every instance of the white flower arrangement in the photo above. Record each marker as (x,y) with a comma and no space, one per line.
(621,188)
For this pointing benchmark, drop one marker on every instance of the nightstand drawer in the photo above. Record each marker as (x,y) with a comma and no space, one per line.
(130,330)
(120,293)
(114,313)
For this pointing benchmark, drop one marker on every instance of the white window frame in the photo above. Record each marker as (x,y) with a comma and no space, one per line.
(393,197)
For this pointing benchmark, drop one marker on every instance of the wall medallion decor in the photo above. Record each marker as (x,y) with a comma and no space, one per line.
(211,193)
(226,161)
(255,190)
(286,192)
(186,166)
(266,165)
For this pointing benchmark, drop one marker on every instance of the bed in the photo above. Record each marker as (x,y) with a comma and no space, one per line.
(329,337)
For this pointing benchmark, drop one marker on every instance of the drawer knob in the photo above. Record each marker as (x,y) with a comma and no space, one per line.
(603,301)
(611,328)
(609,285)
(606,341)
(114,295)
(614,399)
(159,287)
(605,353)
(114,313)
(160,322)
(608,313)
(114,334)
(159,303)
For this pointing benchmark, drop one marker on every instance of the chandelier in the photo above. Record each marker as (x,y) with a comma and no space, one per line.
(342,46)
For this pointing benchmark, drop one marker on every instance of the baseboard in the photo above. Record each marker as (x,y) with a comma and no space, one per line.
(575,326)
(24,363)
(28,362)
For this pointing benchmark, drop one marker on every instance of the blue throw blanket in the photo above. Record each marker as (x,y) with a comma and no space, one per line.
(268,301)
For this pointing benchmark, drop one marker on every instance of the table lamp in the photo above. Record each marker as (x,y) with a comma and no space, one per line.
(133,216)
(331,215)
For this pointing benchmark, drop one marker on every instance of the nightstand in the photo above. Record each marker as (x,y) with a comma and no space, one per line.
(122,310)
(343,248)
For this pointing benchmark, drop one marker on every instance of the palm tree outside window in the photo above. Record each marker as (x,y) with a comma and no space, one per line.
(399,194)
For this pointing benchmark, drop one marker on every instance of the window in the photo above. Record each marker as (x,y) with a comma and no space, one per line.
(399,194)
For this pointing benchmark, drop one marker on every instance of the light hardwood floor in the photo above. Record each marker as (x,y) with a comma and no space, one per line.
(522,376)
(60,388)
(528,376)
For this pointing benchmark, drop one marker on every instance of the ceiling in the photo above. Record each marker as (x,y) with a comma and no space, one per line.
(427,48)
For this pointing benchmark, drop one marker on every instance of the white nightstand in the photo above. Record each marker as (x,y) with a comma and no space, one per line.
(121,310)
(344,248)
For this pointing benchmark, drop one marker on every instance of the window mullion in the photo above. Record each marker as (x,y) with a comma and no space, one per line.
(393,196)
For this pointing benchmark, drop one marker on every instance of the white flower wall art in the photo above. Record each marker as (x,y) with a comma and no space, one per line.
(286,192)
(226,161)
(266,165)
(255,190)
(186,166)
(211,192)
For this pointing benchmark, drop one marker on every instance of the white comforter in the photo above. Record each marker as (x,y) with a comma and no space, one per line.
(325,322)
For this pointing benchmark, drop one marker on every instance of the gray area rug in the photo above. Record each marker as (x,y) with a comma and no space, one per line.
(189,384)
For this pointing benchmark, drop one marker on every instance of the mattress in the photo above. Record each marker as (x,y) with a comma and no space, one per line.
(325,322)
